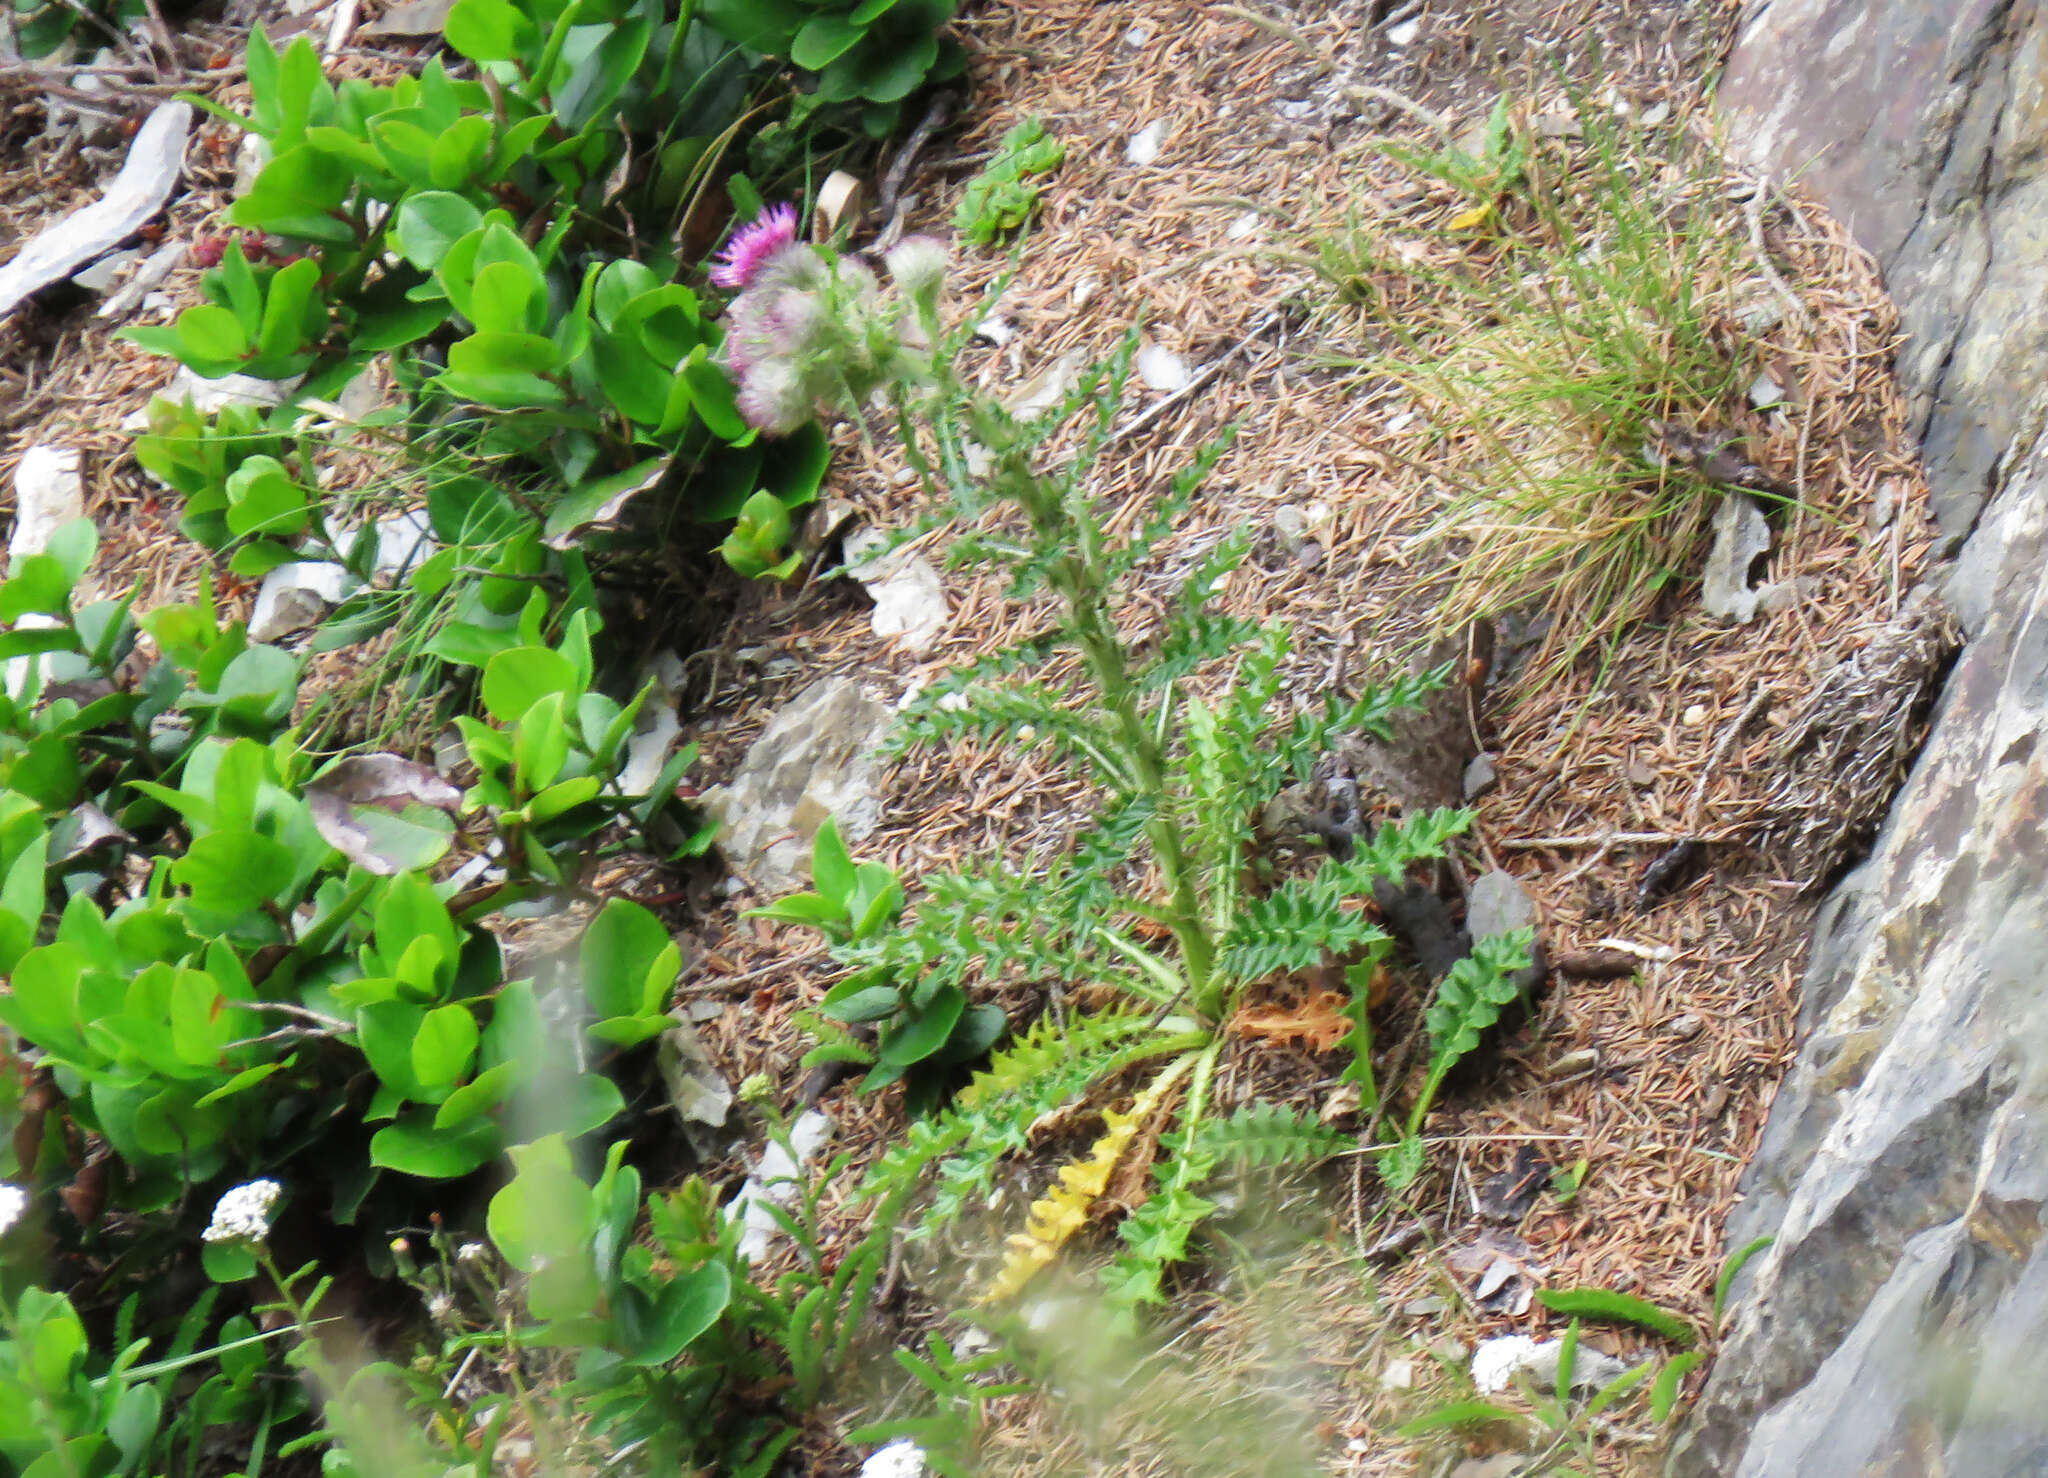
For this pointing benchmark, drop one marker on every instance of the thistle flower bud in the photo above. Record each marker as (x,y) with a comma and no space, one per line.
(772,397)
(754,246)
(917,265)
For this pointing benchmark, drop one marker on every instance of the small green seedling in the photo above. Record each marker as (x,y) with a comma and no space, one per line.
(1003,196)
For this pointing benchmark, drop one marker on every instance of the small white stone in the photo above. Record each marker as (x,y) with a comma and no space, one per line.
(775,1179)
(910,599)
(1405,33)
(1694,715)
(1655,114)
(1399,1375)
(1497,1361)
(1766,392)
(1084,288)
(1296,108)
(1137,37)
(251,155)
(208,396)
(48,493)
(125,298)
(297,595)
(1144,145)
(1162,369)
(647,748)
(1242,226)
(900,1459)
(403,541)
(101,276)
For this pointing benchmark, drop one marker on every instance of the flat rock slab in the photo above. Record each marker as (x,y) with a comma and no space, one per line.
(815,759)
(1904,1171)
(1925,129)
(141,189)
(1895,1324)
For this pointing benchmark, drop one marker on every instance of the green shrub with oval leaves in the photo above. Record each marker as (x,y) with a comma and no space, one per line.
(469,223)
(866,54)
(285,975)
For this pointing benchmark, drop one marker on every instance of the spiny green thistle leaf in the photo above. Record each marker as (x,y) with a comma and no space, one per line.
(1358,1042)
(1043,1069)
(1159,522)
(1154,1235)
(1401,1162)
(1292,928)
(983,670)
(1368,713)
(1261,1134)
(1027,716)
(1193,639)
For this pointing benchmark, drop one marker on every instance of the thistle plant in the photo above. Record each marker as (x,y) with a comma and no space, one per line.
(1149,914)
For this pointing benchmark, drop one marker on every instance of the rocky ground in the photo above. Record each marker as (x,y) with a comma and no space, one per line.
(1210,147)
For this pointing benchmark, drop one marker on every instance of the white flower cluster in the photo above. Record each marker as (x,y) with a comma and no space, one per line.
(243,1214)
(13,1202)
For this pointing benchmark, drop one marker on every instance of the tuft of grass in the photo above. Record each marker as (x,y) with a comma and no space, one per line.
(1559,292)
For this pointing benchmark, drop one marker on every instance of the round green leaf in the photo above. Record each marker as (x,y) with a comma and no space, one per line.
(427,223)
(414,1147)
(227,1262)
(210,334)
(619,947)
(689,1305)
(232,871)
(918,1035)
(515,680)
(444,1045)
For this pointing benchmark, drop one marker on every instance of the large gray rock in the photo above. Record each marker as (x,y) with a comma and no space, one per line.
(1925,128)
(817,758)
(1903,1171)
(1894,1327)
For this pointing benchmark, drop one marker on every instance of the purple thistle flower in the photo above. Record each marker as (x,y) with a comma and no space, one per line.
(751,247)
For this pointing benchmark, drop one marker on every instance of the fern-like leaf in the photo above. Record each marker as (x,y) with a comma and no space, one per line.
(835,1042)
(1027,716)
(1478,988)
(1264,1134)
